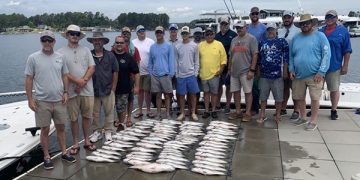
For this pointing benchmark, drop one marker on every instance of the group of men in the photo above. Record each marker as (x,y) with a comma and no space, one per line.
(258,58)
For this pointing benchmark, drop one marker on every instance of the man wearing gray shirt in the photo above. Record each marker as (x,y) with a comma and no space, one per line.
(47,71)
(81,92)
(187,69)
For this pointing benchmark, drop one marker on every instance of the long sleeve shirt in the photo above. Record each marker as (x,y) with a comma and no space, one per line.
(161,60)
(309,54)
(187,59)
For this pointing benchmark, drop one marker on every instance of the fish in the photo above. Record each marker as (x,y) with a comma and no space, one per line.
(209,163)
(131,133)
(209,147)
(141,149)
(176,166)
(125,137)
(165,161)
(202,155)
(207,171)
(208,138)
(221,161)
(139,131)
(118,145)
(200,149)
(171,122)
(219,136)
(100,159)
(151,142)
(107,156)
(193,123)
(173,146)
(140,153)
(205,142)
(212,168)
(120,142)
(135,162)
(176,158)
(148,145)
(112,148)
(164,155)
(108,152)
(139,157)
(154,168)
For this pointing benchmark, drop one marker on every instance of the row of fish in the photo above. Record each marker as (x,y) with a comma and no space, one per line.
(158,146)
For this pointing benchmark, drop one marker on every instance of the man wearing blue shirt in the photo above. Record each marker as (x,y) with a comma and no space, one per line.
(309,61)
(161,68)
(258,30)
(340,46)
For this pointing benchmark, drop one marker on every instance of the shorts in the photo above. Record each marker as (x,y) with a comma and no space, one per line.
(225,79)
(237,83)
(121,102)
(187,85)
(299,88)
(80,104)
(276,86)
(333,80)
(50,110)
(211,85)
(145,82)
(162,84)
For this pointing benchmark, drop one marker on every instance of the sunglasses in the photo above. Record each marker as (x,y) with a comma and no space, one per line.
(329,16)
(74,33)
(159,32)
(255,13)
(119,42)
(141,31)
(184,33)
(223,24)
(49,40)
(239,28)
(209,34)
(306,23)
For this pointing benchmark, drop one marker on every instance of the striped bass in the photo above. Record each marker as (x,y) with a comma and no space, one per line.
(135,162)
(154,168)
(221,161)
(112,148)
(202,155)
(100,159)
(148,145)
(212,168)
(141,149)
(207,172)
(209,163)
(107,156)
(108,152)
(210,151)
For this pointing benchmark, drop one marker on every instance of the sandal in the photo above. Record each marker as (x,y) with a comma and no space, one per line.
(261,119)
(138,115)
(150,115)
(128,124)
(74,150)
(90,147)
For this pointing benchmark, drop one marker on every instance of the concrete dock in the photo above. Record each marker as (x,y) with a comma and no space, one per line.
(262,152)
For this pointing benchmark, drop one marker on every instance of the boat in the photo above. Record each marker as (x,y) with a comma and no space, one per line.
(353,26)
(17,131)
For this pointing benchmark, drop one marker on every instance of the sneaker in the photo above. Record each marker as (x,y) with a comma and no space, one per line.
(181,117)
(310,126)
(68,158)
(294,116)
(108,136)
(205,115)
(95,137)
(246,118)
(234,116)
(194,117)
(226,110)
(214,115)
(308,114)
(261,119)
(300,122)
(334,115)
(283,112)
(48,164)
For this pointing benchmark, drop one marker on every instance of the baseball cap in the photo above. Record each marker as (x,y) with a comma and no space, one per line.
(47,33)
(139,27)
(209,29)
(185,29)
(173,27)
(254,9)
(159,28)
(126,29)
(271,25)
(224,19)
(240,24)
(288,13)
(331,12)
(198,30)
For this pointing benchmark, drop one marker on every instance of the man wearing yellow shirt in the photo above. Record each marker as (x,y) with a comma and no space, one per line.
(212,63)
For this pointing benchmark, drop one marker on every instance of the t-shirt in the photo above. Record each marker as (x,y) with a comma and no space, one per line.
(47,72)
(127,65)
(212,56)
(241,51)
(144,50)
(226,42)
(78,60)
(162,60)
(340,44)
(104,69)
(273,53)
(187,59)
(258,31)
(309,54)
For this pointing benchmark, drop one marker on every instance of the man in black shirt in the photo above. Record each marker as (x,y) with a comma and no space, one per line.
(127,65)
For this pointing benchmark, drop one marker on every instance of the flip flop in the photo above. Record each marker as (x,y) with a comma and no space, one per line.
(128,124)
(74,150)
(90,147)
(138,115)
(150,115)
(120,127)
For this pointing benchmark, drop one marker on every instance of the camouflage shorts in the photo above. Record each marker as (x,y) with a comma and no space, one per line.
(121,101)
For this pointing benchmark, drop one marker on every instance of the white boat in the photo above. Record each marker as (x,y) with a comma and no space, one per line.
(14,140)
(353,25)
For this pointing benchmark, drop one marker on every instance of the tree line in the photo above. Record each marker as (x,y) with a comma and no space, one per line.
(85,19)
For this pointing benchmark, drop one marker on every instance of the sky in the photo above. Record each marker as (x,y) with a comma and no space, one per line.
(178,11)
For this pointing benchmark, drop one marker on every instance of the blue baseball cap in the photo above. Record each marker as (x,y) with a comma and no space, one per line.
(173,27)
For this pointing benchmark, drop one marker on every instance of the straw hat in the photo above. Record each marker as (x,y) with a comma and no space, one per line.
(73,27)
(304,18)
(98,35)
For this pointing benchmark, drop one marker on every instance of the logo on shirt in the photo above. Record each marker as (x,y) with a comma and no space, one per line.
(122,61)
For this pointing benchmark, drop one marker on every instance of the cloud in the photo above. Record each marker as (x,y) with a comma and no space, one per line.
(13,3)
(161,9)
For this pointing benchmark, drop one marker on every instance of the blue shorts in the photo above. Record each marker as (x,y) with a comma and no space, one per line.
(185,85)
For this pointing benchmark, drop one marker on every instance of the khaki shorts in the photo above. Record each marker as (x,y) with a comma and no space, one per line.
(145,82)
(237,83)
(162,84)
(50,110)
(121,102)
(211,85)
(299,87)
(333,80)
(80,104)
